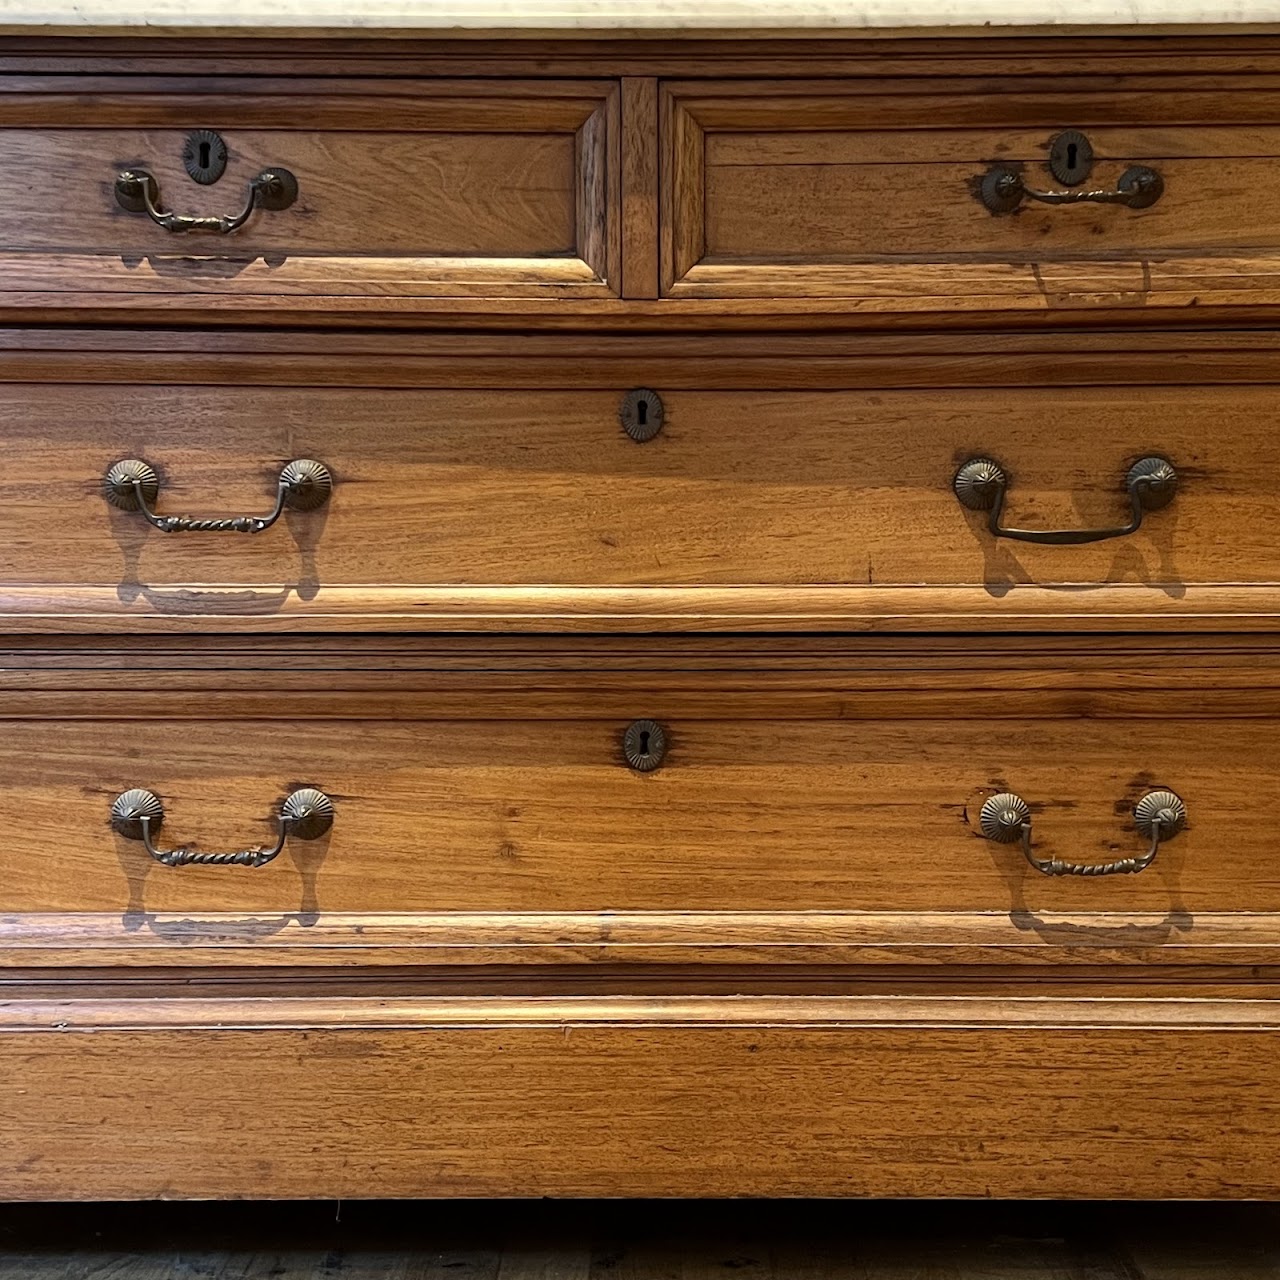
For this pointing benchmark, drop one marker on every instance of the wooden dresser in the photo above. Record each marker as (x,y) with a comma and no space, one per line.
(632,616)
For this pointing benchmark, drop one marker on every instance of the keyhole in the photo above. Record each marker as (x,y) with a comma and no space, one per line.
(641,414)
(204,156)
(644,744)
(1070,157)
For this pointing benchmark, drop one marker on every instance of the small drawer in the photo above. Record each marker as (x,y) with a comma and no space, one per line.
(1070,802)
(314,193)
(939,197)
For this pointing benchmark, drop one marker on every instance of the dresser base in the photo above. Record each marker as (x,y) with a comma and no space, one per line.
(350,1097)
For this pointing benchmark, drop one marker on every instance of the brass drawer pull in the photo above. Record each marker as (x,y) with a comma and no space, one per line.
(981,485)
(1002,190)
(306,815)
(138,191)
(1159,816)
(133,485)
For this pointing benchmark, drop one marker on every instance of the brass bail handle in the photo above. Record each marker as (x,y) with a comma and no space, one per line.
(133,485)
(305,815)
(1159,816)
(982,484)
(137,191)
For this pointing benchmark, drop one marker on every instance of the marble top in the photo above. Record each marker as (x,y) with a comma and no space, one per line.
(616,16)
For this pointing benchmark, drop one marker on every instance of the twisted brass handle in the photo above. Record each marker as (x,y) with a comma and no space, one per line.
(1159,816)
(138,191)
(306,815)
(981,485)
(1003,189)
(133,485)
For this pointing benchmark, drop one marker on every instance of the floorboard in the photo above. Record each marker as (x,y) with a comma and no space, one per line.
(544,1240)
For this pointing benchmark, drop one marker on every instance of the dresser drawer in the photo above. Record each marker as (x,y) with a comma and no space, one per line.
(381,190)
(929,195)
(344,1097)
(568,801)
(533,509)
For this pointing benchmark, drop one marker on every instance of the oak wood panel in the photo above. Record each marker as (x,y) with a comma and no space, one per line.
(631,1098)
(821,190)
(440,189)
(525,502)
(640,231)
(361,194)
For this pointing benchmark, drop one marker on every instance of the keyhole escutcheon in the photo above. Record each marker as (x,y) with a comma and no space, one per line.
(644,744)
(204,156)
(641,414)
(1070,157)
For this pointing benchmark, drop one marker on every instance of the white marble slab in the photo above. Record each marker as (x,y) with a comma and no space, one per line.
(618,16)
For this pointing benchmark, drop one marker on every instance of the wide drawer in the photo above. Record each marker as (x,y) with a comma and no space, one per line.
(533,509)
(874,193)
(640,801)
(343,1097)
(393,189)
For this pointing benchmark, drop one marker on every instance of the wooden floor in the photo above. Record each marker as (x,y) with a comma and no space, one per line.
(528,1240)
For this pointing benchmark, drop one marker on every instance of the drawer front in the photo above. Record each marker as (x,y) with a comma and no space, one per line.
(294,1098)
(787,189)
(533,509)
(405,189)
(556,801)
(546,816)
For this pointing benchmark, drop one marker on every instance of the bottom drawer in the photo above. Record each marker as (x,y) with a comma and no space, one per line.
(600,1096)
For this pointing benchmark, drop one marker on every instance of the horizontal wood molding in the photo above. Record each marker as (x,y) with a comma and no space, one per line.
(337,1014)
(927,943)
(693,362)
(1226,53)
(270,607)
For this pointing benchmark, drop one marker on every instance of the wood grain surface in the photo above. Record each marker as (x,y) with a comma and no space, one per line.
(633,1099)
(786,962)
(544,817)
(838,133)
(828,504)
(406,188)
(814,795)
(781,188)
